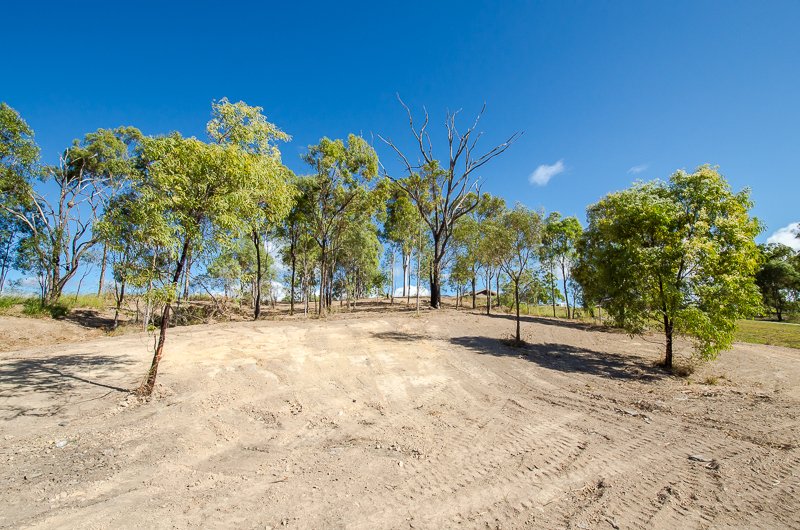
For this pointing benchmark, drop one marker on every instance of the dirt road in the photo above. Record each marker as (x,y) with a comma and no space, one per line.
(393,421)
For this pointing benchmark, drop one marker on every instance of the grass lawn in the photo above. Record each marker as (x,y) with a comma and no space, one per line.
(766,332)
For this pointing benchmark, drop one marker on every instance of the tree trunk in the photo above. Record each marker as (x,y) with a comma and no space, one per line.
(292,250)
(419,259)
(436,269)
(406,279)
(391,294)
(564,278)
(488,293)
(257,294)
(187,276)
(497,283)
(473,289)
(102,270)
(147,387)
(516,302)
(668,328)
(120,297)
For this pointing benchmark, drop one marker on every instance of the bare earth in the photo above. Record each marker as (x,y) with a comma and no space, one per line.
(392,421)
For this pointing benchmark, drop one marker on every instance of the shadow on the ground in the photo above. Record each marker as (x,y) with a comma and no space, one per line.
(58,375)
(89,318)
(552,321)
(399,336)
(567,358)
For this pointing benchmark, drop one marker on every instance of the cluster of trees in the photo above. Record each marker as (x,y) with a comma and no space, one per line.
(779,279)
(170,214)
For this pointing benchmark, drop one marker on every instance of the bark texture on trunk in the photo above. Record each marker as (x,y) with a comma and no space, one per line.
(147,387)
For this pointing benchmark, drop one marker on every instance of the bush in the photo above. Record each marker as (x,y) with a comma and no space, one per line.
(9,301)
(34,307)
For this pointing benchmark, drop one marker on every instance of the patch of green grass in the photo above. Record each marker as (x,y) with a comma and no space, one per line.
(84,301)
(765,332)
(33,307)
(9,301)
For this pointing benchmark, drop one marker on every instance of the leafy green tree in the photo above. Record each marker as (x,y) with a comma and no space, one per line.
(778,278)
(59,226)
(243,126)
(444,193)
(559,248)
(401,229)
(10,233)
(680,253)
(191,192)
(338,195)
(519,236)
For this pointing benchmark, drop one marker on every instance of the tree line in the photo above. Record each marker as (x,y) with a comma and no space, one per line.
(170,214)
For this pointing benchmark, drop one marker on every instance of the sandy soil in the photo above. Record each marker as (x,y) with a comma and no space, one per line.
(24,332)
(392,421)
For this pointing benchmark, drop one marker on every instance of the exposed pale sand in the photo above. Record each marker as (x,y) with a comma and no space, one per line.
(392,421)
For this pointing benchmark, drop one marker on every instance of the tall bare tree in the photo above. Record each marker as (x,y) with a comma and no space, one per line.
(442,193)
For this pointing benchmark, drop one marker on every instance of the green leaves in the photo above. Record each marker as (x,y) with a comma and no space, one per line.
(680,252)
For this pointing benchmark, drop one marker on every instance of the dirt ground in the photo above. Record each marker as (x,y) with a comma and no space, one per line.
(396,421)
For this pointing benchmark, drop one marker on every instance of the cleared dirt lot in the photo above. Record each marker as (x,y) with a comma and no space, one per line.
(392,421)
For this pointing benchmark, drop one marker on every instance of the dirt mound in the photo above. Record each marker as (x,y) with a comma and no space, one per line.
(397,421)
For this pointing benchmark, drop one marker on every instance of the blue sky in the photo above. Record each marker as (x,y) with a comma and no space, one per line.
(605,92)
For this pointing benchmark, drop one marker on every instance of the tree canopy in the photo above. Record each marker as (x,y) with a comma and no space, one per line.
(679,254)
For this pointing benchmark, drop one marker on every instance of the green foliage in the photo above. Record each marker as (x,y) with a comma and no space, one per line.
(19,154)
(779,278)
(34,307)
(680,253)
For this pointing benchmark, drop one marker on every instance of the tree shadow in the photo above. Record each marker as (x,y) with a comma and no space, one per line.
(58,375)
(567,358)
(89,318)
(552,321)
(399,336)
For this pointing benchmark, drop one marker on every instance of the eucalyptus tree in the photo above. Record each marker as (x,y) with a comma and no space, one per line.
(358,260)
(559,249)
(339,193)
(294,233)
(444,193)
(245,127)
(518,238)
(469,234)
(401,229)
(59,226)
(778,278)
(10,232)
(681,253)
(190,191)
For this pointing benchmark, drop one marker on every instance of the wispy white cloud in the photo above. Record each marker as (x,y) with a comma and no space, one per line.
(542,175)
(786,236)
(635,170)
